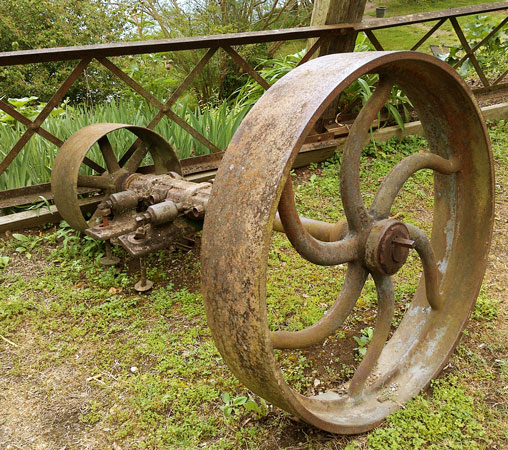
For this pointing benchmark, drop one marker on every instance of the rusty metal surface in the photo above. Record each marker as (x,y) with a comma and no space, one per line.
(142,212)
(65,177)
(251,183)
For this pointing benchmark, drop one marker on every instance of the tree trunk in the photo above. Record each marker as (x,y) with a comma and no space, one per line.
(331,12)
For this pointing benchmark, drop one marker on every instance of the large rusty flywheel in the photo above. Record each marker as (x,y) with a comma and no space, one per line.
(253,182)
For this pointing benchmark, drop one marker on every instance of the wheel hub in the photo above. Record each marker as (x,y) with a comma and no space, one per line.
(387,247)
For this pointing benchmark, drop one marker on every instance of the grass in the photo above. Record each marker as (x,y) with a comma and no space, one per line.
(85,360)
(404,37)
(403,7)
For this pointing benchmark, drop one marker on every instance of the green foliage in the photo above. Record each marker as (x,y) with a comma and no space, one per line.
(30,107)
(93,415)
(394,146)
(178,18)
(46,23)
(450,419)
(486,308)
(492,56)
(33,165)
(363,341)
(26,243)
(274,69)
(271,70)
(403,7)
(233,406)
(352,98)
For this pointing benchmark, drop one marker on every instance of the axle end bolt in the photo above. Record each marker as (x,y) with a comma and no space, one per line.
(387,247)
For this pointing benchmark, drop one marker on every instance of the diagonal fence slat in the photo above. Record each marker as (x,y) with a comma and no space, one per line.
(53,101)
(481,43)
(158,104)
(375,42)
(246,66)
(313,49)
(28,123)
(172,99)
(428,34)
(188,80)
(469,53)
(503,75)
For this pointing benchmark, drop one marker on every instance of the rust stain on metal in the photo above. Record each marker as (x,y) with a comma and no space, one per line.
(252,183)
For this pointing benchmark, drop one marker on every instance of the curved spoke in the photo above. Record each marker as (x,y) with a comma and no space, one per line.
(137,157)
(384,288)
(322,231)
(332,320)
(108,154)
(94,181)
(350,170)
(430,269)
(394,181)
(315,251)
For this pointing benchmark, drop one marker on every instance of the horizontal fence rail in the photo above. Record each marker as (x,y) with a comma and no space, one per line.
(84,55)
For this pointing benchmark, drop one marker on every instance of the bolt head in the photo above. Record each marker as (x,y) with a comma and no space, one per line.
(382,254)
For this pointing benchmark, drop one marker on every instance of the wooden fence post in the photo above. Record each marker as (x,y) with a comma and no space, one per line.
(331,12)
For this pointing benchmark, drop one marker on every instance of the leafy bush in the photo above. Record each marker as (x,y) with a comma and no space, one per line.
(492,56)
(352,98)
(28,24)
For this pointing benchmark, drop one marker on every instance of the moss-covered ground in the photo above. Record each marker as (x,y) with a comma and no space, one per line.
(86,362)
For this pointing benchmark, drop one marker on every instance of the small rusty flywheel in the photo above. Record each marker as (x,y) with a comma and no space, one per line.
(253,182)
(69,180)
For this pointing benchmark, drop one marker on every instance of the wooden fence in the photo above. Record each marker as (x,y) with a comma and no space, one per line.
(84,55)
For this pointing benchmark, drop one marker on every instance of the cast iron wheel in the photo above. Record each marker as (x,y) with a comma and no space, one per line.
(251,185)
(66,177)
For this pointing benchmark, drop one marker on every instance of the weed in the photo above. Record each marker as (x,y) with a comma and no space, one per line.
(486,308)
(363,341)
(231,404)
(4,262)
(93,415)
(26,244)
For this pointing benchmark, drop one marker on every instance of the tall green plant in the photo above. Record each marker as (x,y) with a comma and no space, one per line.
(352,98)
(33,165)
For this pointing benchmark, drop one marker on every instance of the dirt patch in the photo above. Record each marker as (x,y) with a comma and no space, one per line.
(45,408)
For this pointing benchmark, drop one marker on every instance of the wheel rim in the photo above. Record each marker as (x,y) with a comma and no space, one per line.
(65,177)
(246,194)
